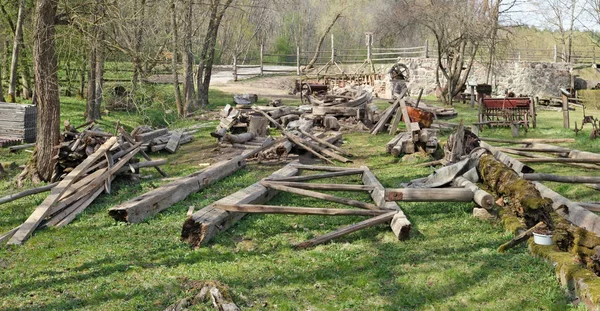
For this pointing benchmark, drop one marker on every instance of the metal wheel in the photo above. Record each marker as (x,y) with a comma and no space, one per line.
(399,72)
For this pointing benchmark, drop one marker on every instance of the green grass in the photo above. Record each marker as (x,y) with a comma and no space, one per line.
(449,263)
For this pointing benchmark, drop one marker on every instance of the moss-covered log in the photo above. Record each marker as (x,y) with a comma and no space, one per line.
(522,197)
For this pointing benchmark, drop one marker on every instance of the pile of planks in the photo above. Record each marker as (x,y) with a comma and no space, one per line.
(243,120)
(79,188)
(162,139)
(219,216)
(17,122)
(342,104)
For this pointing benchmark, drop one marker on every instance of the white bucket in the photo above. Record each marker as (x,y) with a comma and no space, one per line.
(542,239)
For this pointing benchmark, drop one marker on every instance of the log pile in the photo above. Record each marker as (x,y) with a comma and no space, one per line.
(79,188)
(17,122)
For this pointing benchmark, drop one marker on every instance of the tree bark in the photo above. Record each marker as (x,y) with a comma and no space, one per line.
(91,83)
(96,115)
(12,86)
(208,50)
(2,68)
(174,61)
(188,80)
(46,86)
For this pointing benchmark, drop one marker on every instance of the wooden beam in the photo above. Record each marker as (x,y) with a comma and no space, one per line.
(130,139)
(321,168)
(563,179)
(429,194)
(173,143)
(560,160)
(320,176)
(347,230)
(332,187)
(41,211)
(204,224)
(481,197)
(529,140)
(269,209)
(319,195)
(400,224)
(325,143)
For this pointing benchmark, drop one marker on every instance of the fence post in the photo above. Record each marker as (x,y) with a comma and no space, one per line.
(593,54)
(555,53)
(298,60)
(426,48)
(332,51)
(235,75)
(262,47)
(369,46)
(519,55)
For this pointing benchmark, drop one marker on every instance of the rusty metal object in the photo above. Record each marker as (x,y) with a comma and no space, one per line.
(507,111)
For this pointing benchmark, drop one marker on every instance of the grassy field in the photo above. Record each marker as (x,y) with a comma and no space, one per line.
(449,263)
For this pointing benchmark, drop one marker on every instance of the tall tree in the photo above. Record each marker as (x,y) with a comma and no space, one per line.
(96,64)
(562,16)
(46,89)
(207,55)
(18,41)
(178,103)
(188,60)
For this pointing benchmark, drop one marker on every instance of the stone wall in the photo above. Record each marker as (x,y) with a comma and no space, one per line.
(527,78)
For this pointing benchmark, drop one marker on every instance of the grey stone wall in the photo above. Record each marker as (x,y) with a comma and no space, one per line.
(527,78)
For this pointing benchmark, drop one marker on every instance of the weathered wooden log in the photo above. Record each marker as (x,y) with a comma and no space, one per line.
(204,224)
(330,187)
(563,179)
(568,209)
(347,230)
(327,152)
(429,194)
(258,126)
(130,141)
(594,207)
(387,114)
(400,224)
(18,195)
(345,172)
(584,155)
(512,163)
(305,167)
(526,201)
(392,143)
(285,120)
(148,136)
(529,140)
(20,147)
(319,195)
(239,138)
(404,146)
(269,209)
(561,160)
(481,197)
(331,123)
(283,111)
(154,201)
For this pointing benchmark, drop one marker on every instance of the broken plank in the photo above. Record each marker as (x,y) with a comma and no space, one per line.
(204,224)
(41,211)
(347,230)
(319,176)
(174,142)
(269,209)
(319,195)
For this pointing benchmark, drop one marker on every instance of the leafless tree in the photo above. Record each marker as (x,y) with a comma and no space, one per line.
(562,16)
(18,42)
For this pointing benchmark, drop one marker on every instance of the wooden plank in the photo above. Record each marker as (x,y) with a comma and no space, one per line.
(562,179)
(319,195)
(384,118)
(560,160)
(142,152)
(400,224)
(347,230)
(405,115)
(88,200)
(394,125)
(174,142)
(204,224)
(320,176)
(148,136)
(269,209)
(332,187)
(429,194)
(324,142)
(41,211)
(306,167)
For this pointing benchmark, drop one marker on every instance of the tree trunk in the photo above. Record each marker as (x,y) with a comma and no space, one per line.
(91,83)
(180,110)
(206,62)
(98,79)
(46,86)
(25,74)
(12,84)
(188,81)
(318,49)
(2,68)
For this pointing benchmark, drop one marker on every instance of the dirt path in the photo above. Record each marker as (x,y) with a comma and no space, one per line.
(272,87)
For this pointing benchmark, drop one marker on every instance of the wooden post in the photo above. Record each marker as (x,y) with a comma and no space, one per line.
(555,53)
(369,46)
(532,112)
(565,107)
(472,96)
(332,51)
(426,48)
(235,76)
(519,55)
(593,54)
(297,60)
(262,51)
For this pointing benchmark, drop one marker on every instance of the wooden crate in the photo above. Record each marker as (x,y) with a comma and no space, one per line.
(18,121)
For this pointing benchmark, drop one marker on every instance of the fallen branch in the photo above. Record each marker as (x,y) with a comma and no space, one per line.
(519,238)
(15,196)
